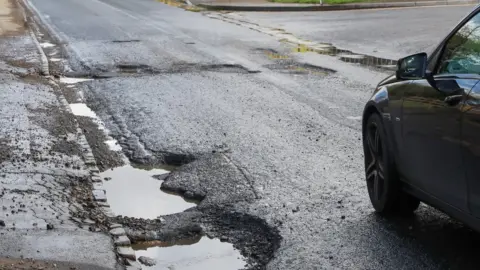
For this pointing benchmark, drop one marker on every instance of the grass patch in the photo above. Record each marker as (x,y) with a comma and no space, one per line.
(330,2)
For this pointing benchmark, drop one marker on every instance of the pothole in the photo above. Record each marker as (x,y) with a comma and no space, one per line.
(134,192)
(291,67)
(347,56)
(134,69)
(197,253)
(272,54)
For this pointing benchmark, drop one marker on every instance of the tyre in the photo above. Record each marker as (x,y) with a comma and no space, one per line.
(383,184)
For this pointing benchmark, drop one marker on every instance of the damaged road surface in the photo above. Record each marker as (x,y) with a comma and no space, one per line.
(264,140)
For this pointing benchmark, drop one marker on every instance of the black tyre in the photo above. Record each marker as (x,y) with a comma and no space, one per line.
(383,184)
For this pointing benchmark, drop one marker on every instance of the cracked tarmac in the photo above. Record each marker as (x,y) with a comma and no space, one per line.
(272,156)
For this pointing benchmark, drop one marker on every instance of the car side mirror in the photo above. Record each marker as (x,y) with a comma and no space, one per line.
(412,67)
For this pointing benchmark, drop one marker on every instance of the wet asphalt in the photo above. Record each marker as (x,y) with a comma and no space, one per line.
(390,33)
(276,146)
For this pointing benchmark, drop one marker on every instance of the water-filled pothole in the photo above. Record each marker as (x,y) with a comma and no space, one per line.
(187,254)
(133,192)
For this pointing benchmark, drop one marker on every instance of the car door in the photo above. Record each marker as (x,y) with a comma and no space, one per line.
(432,157)
(471,146)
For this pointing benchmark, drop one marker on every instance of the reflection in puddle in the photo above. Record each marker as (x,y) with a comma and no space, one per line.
(188,254)
(134,192)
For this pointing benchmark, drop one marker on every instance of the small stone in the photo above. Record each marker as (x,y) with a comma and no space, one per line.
(118,232)
(50,227)
(126,252)
(2,223)
(122,240)
(146,261)
(99,195)
(343,217)
(133,265)
(107,178)
(89,221)
(296,209)
(330,257)
(114,225)
(108,212)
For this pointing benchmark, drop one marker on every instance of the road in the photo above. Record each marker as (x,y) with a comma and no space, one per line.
(390,33)
(288,134)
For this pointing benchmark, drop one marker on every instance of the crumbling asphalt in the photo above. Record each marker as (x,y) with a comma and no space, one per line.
(274,157)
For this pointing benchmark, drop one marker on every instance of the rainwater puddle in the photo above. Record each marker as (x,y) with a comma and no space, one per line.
(200,253)
(346,55)
(73,80)
(133,192)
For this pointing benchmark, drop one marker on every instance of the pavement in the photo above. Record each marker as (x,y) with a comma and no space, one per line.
(270,132)
(41,165)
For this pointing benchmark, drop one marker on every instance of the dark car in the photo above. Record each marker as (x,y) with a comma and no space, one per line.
(421,130)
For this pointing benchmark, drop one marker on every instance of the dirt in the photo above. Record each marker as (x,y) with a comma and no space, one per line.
(11,19)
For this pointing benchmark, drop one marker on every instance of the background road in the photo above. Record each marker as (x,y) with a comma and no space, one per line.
(390,33)
(294,128)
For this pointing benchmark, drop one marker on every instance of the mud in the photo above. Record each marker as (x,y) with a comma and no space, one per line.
(54,119)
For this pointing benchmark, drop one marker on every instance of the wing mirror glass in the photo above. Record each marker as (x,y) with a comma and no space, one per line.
(412,67)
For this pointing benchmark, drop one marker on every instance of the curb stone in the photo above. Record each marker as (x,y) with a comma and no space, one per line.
(124,249)
(303,7)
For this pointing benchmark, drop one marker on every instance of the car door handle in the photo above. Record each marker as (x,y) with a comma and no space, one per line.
(453,99)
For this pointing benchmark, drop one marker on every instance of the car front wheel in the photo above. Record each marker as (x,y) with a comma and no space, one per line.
(383,184)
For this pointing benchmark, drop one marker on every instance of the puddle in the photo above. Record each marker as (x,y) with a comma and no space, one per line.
(346,56)
(199,253)
(47,45)
(81,109)
(73,80)
(133,192)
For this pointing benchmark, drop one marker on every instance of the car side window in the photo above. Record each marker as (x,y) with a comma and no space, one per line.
(461,54)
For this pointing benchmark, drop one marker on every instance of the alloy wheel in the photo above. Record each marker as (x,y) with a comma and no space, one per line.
(375,170)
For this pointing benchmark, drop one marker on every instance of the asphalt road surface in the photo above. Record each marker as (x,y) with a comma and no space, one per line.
(292,129)
(390,33)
